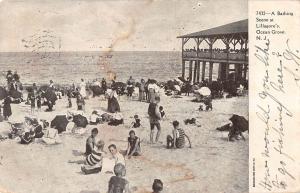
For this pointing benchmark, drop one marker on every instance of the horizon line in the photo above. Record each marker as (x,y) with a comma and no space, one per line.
(91,51)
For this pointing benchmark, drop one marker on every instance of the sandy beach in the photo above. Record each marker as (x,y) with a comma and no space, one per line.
(213,164)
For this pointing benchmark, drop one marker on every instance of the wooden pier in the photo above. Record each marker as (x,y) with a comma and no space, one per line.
(235,39)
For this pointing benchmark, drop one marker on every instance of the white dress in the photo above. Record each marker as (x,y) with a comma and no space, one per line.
(82,89)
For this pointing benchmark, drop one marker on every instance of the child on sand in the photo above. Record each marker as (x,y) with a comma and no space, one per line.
(90,142)
(80,102)
(117,184)
(32,101)
(137,122)
(178,139)
(162,112)
(69,95)
(95,118)
(134,145)
(157,186)
(39,102)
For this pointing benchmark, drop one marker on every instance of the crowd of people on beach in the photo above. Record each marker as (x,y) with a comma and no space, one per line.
(95,157)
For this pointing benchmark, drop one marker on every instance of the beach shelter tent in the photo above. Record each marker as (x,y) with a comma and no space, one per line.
(239,122)
(3,93)
(60,123)
(15,94)
(80,120)
(48,93)
(170,85)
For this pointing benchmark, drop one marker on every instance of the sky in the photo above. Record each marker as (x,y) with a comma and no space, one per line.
(111,25)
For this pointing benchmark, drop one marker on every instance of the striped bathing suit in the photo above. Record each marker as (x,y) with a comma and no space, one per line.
(93,158)
(180,140)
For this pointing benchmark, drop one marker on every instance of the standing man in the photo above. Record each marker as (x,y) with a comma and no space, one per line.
(154,118)
(103,84)
(51,84)
(130,87)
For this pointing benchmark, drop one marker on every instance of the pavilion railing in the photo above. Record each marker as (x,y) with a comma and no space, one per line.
(216,55)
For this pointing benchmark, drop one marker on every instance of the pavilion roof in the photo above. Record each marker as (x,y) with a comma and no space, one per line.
(238,27)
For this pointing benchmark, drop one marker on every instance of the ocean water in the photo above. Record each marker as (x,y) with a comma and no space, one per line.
(69,67)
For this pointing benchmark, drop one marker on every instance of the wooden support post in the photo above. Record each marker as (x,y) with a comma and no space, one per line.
(220,71)
(237,71)
(191,70)
(198,70)
(226,71)
(211,65)
(245,71)
(183,69)
(203,70)
(195,71)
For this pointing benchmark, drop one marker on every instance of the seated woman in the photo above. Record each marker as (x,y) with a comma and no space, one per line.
(106,164)
(36,127)
(51,137)
(134,145)
(29,131)
(116,120)
(38,131)
(27,137)
(93,162)
(95,118)
(178,139)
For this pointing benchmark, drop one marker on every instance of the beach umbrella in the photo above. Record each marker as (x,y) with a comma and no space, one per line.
(239,122)
(119,84)
(60,123)
(15,94)
(80,120)
(181,79)
(204,91)
(153,81)
(3,93)
(97,90)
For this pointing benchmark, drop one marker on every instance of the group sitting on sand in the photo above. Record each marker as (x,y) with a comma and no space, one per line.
(94,153)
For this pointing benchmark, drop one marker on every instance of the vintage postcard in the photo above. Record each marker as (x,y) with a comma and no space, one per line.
(149,96)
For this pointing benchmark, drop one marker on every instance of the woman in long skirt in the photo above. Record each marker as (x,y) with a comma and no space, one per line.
(7,108)
(113,104)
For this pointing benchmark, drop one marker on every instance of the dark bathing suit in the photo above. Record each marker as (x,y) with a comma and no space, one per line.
(132,143)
